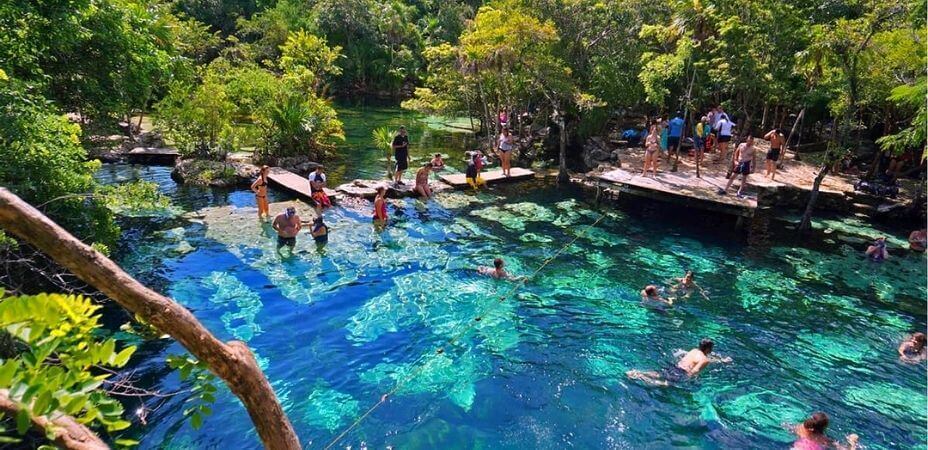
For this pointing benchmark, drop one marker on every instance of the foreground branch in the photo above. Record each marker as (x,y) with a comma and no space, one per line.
(68,433)
(232,361)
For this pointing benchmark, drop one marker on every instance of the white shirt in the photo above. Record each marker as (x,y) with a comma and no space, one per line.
(723,126)
(504,143)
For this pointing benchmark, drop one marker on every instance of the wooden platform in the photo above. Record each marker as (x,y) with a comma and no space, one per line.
(681,188)
(491,177)
(296,184)
(153,156)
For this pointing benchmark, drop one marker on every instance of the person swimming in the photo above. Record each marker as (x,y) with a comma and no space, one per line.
(811,435)
(877,251)
(686,285)
(650,292)
(913,349)
(497,271)
(689,366)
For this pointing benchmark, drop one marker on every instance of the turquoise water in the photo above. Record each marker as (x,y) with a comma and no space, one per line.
(806,328)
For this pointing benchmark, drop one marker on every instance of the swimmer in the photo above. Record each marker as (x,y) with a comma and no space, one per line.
(650,292)
(689,366)
(913,348)
(437,163)
(686,285)
(877,251)
(811,435)
(497,271)
(287,225)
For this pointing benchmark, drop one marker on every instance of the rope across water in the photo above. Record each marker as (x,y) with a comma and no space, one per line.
(454,338)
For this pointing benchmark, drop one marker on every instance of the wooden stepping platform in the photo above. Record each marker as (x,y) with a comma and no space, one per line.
(296,184)
(491,177)
(682,188)
(368,188)
(153,156)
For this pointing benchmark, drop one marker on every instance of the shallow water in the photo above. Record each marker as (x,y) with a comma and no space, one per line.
(807,329)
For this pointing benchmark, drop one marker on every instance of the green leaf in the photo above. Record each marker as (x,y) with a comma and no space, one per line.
(42,402)
(7,370)
(124,442)
(23,421)
(196,421)
(123,357)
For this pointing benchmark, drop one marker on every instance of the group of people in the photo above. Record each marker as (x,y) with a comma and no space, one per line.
(288,223)
(711,131)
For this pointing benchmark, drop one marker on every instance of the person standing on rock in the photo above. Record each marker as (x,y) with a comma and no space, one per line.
(777,141)
(401,152)
(744,156)
(674,133)
(723,132)
(259,187)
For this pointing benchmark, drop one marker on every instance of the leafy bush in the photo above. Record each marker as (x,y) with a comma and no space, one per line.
(54,366)
(197,119)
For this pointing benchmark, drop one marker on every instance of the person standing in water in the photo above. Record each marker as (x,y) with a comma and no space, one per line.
(777,145)
(689,366)
(401,153)
(811,435)
(320,231)
(504,146)
(287,225)
(437,162)
(259,187)
(744,155)
(918,240)
(877,251)
(422,181)
(380,205)
(913,348)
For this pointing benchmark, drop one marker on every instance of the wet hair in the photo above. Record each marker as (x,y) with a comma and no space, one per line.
(689,273)
(650,290)
(381,189)
(438,155)
(291,211)
(920,340)
(706,346)
(498,263)
(816,423)
(428,164)
(317,220)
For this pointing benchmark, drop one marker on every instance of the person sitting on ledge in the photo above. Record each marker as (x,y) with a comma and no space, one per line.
(689,366)
(913,348)
(437,162)
(918,240)
(422,181)
(317,182)
(877,251)
(811,435)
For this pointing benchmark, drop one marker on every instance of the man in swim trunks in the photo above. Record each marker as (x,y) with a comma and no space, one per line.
(401,153)
(497,271)
(744,155)
(689,366)
(287,225)
(777,145)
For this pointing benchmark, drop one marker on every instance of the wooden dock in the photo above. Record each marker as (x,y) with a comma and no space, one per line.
(458,180)
(296,184)
(153,156)
(682,188)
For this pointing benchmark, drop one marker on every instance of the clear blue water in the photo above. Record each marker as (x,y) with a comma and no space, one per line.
(807,328)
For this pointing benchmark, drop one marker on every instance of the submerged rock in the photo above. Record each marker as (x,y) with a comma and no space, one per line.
(214,173)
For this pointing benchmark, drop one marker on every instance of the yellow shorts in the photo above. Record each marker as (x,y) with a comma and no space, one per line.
(476,182)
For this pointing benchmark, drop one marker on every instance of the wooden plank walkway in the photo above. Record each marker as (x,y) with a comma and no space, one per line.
(153,155)
(682,188)
(296,184)
(491,177)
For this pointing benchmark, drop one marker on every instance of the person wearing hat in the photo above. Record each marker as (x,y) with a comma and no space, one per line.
(401,152)
(287,225)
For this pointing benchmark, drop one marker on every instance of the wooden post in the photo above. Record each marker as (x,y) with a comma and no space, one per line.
(231,361)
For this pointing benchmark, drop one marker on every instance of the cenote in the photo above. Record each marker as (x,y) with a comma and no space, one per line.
(807,328)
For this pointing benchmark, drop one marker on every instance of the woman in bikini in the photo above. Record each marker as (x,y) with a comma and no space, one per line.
(259,187)
(505,146)
(651,147)
(422,181)
(380,205)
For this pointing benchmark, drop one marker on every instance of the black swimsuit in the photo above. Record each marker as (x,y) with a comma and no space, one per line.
(263,183)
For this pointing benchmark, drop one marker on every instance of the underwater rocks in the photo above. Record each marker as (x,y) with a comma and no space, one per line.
(214,173)
(368,188)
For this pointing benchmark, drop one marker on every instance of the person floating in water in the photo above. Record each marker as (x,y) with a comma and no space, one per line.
(287,225)
(877,251)
(380,205)
(320,231)
(422,181)
(437,163)
(689,366)
(317,183)
(918,240)
(913,348)
(650,292)
(259,187)
(497,271)
(811,435)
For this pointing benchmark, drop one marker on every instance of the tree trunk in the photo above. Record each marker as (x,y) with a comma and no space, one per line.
(763,118)
(562,175)
(232,361)
(806,223)
(792,131)
(63,430)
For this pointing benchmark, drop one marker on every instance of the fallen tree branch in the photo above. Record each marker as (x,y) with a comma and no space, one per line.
(231,361)
(68,433)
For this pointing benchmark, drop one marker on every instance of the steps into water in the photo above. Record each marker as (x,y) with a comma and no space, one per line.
(459,181)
